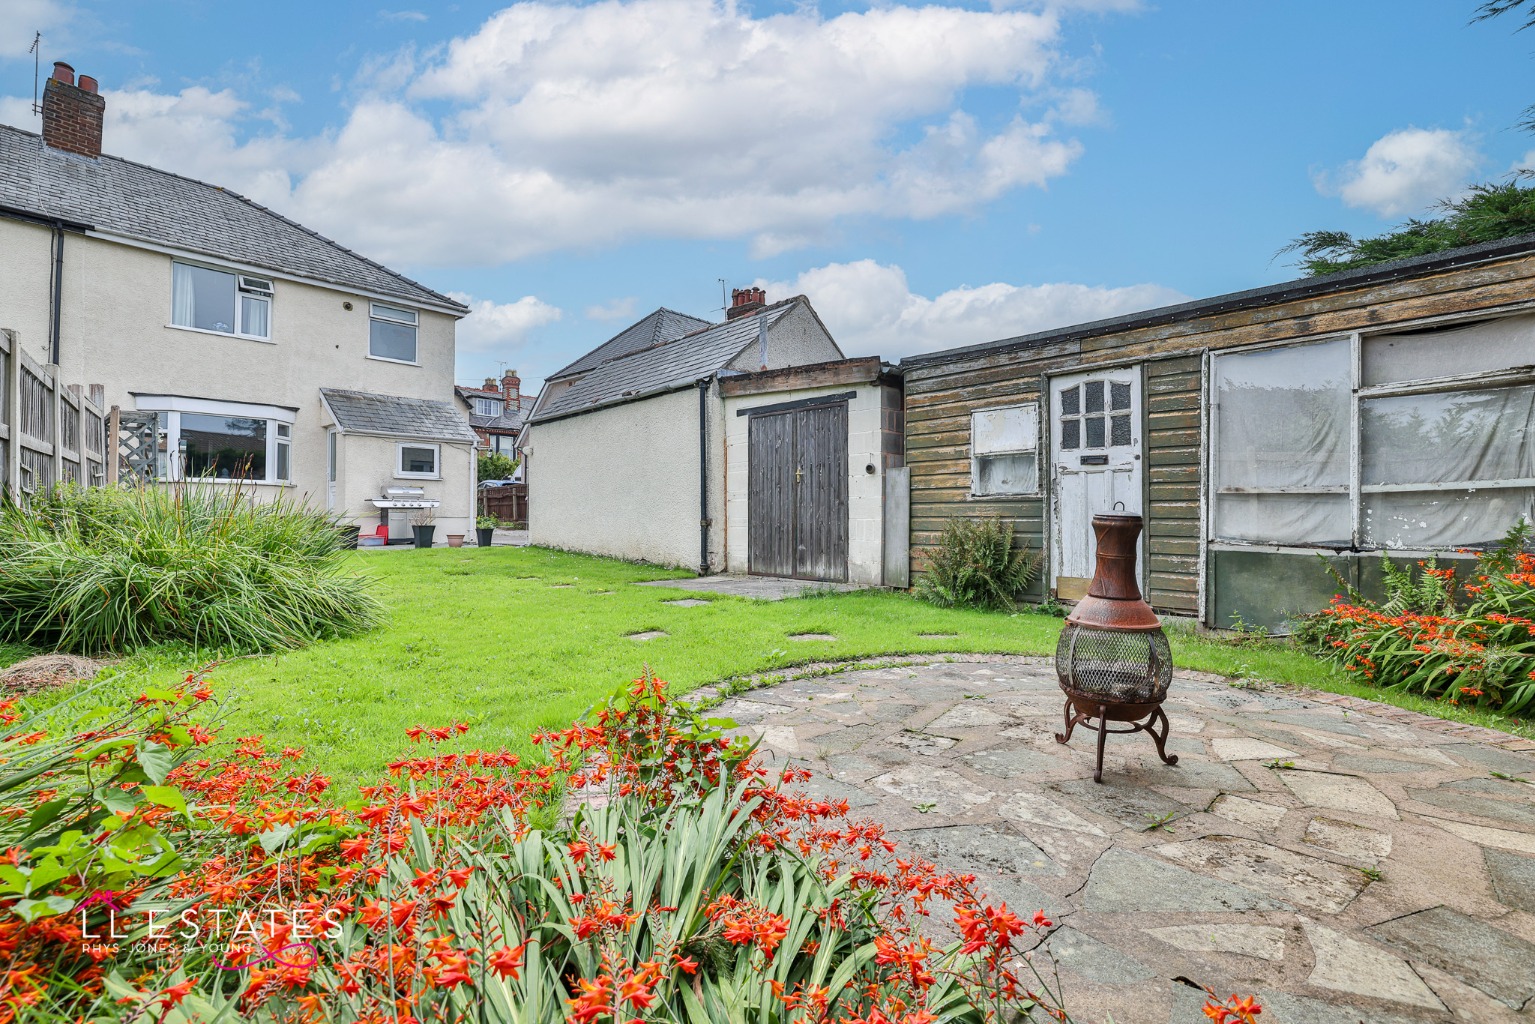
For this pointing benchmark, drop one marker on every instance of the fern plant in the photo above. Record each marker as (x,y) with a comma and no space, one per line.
(977,565)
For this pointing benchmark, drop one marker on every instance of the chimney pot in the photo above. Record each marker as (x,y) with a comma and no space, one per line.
(745,301)
(88,84)
(62,72)
(490,384)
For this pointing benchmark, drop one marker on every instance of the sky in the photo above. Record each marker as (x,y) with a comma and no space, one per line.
(928,175)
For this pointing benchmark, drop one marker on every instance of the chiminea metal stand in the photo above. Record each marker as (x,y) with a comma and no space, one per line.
(1113,659)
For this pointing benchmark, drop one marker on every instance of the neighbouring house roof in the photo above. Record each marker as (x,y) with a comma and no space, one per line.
(1252,298)
(509,422)
(119,197)
(425,419)
(678,363)
(658,328)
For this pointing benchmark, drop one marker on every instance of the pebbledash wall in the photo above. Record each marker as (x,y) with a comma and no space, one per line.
(115,330)
(591,488)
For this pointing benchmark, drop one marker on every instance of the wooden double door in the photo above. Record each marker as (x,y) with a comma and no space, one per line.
(797,493)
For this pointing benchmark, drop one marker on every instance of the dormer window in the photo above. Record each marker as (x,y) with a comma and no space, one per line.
(205,299)
(487,406)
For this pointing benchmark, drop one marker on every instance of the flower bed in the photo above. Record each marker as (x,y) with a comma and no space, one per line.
(1462,643)
(153,875)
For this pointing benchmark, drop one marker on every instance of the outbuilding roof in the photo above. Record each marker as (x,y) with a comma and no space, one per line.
(141,203)
(678,363)
(655,329)
(1251,298)
(420,419)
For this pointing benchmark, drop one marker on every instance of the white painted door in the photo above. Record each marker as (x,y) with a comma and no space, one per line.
(1095,433)
(330,470)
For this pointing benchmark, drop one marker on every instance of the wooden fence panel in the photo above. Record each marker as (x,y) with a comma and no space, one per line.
(49,433)
(509,504)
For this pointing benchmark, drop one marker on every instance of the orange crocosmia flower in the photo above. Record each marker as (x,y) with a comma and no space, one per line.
(507,961)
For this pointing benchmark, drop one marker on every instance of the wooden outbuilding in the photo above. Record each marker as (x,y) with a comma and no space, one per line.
(1385,410)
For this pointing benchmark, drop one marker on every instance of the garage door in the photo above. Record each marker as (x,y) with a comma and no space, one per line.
(797,493)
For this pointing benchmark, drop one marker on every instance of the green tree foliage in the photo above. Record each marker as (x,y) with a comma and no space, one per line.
(1526,9)
(495,466)
(1484,214)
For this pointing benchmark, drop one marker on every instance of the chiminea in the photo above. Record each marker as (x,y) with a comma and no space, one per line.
(1113,659)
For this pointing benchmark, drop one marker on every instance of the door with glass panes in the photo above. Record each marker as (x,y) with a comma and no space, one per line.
(1095,435)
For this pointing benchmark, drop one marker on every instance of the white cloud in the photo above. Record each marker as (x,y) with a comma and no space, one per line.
(559,127)
(1406,171)
(871,310)
(501,328)
(402,15)
(618,309)
(24,17)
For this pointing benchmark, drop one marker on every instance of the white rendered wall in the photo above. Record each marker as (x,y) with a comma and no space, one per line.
(865,490)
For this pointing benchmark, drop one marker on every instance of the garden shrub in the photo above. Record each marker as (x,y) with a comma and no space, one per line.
(976,565)
(1432,635)
(112,569)
(689,885)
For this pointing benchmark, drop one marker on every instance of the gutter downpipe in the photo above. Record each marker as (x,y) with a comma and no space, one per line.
(58,292)
(703,477)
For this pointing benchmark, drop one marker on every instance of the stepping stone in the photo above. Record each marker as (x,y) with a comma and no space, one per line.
(1257,940)
(1253,813)
(686,602)
(1505,761)
(1348,965)
(1088,958)
(990,849)
(1037,810)
(920,743)
(1244,748)
(1455,797)
(1513,879)
(1008,762)
(1350,840)
(1133,805)
(948,792)
(811,636)
(1480,955)
(562,586)
(649,634)
(1339,793)
(1296,878)
(1128,883)
(938,636)
(1523,842)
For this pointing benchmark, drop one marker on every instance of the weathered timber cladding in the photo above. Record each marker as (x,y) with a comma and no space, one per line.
(942,391)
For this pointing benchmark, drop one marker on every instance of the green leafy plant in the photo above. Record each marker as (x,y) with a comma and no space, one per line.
(484,522)
(977,565)
(98,570)
(494,466)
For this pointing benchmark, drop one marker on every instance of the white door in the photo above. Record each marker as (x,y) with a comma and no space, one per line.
(330,470)
(1095,433)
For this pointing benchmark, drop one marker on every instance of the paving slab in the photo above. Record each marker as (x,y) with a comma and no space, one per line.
(1220,869)
(759,588)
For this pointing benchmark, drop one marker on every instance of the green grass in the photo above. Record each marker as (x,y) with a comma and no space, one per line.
(518,639)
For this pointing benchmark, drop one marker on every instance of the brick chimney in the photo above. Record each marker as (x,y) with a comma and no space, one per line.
(511,390)
(491,385)
(745,301)
(72,113)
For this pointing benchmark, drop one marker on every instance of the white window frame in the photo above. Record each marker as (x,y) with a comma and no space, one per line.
(247,286)
(400,316)
(1513,376)
(488,406)
(400,472)
(170,408)
(1030,411)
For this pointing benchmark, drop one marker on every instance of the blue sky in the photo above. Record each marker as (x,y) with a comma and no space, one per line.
(930,176)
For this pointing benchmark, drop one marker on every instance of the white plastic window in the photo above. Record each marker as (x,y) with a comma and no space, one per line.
(417,460)
(214,300)
(391,333)
(1004,450)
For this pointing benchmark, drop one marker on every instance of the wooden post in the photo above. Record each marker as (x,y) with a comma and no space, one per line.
(12,385)
(110,456)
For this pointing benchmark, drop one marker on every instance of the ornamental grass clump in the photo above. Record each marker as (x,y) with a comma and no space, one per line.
(1463,643)
(111,570)
(976,565)
(650,870)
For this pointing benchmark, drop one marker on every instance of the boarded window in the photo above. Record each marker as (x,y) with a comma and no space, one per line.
(1004,450)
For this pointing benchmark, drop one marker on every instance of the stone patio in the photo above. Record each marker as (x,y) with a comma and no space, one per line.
(1346,861)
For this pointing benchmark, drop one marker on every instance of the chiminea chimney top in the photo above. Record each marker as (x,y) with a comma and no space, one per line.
(745,301)
(72,114)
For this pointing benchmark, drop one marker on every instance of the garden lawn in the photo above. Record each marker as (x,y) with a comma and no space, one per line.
(515,640)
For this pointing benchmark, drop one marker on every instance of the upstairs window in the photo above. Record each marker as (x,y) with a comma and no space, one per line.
(215,300)
(1004,451)
(391,333)
(487,406)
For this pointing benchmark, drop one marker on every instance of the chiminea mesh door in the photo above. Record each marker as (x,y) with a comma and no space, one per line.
(1130,668)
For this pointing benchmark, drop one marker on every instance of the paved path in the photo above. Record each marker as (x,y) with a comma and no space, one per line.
(1348,863)
(763,588)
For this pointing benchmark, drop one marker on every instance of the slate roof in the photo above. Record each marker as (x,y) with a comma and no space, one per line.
(510,420)
(1268,295)
(135,201)
(659,327)
(660,368)
(424,419)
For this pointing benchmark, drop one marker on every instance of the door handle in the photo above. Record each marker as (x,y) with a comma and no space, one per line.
(798,474)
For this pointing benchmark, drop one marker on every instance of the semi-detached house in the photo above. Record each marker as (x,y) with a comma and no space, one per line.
(258,350)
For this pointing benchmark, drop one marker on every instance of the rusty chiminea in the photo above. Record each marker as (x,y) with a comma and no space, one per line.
(1113,659)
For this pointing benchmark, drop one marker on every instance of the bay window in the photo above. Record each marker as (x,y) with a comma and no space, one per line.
(215,300)
(200,439)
